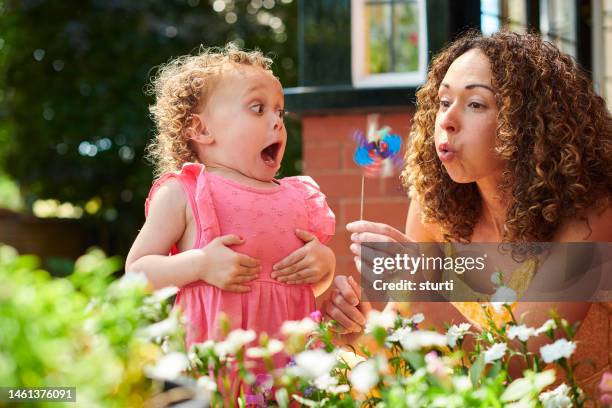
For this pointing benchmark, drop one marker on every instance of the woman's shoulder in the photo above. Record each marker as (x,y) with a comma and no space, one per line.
(419,231)
(595,227)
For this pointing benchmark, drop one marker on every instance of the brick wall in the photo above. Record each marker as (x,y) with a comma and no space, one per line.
(328,158)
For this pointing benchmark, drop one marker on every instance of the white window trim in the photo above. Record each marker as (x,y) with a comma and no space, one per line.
(393,79)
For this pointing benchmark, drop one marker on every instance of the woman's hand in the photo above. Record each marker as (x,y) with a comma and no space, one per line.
(344,306)
(309,264)
(368,231)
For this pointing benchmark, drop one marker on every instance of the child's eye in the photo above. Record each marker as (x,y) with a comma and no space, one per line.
(281,113)
(257,108)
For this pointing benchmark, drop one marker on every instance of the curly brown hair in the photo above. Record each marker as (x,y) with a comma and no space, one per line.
(181,87)
(553,132)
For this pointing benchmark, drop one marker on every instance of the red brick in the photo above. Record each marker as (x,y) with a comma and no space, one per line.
(346,266)
(339,185)
(388,211)
(322,155)
(392,187)
(340,242)
(399,123)
(336,127)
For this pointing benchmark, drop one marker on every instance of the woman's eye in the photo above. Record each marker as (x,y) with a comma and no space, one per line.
(444,103)
(476,105)
(258,108)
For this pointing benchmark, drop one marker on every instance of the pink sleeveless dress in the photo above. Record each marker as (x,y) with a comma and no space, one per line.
(266,218)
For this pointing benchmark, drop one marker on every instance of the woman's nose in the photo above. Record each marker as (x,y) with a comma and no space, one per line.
(449,121)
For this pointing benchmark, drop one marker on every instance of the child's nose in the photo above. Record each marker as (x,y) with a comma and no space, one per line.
(277,122)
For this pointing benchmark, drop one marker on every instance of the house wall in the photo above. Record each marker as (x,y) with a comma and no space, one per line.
(328,158)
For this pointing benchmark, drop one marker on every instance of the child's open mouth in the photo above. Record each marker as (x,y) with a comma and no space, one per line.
(270,154)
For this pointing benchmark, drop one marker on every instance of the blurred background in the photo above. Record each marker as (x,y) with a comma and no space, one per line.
(74,118)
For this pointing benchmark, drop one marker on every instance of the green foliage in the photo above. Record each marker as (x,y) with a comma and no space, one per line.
(9,194)
(74,117)
(80,332)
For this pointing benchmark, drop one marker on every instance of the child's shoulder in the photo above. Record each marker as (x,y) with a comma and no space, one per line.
(305,183)
(167,198)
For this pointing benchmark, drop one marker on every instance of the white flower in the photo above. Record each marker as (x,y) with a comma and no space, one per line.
(416,319)
(351,359)
(495,352)
(456,333)
(418,339)
(160,329)
(169,366)
(236,339)
(548,325)
(522,332)
(384,319)
(330,384)
(364,376)
(399,334)
(496,278)
(273,347)
(462,383)
(503,295)
(298,327)
(315,363)
(133,280)
(557,398)
(207,383)
(205,386)
(339,389)
(164,293)
(559,349)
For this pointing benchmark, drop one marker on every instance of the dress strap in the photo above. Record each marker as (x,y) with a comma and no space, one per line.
(192,177)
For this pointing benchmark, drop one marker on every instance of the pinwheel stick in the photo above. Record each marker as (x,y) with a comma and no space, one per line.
(362,195)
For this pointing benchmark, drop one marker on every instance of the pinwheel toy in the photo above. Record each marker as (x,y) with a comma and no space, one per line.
(378,153)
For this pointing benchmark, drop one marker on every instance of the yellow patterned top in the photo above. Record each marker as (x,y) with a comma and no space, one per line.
(477,312)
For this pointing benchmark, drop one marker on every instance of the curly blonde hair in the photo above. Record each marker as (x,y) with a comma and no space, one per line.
(181,87)
(553,132)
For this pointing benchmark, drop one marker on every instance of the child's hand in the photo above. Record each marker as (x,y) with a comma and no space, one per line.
(309,264)
(227,269)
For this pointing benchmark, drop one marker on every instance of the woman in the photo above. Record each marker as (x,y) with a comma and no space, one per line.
(509,144)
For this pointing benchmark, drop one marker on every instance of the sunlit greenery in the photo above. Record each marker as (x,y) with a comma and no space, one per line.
(74,119)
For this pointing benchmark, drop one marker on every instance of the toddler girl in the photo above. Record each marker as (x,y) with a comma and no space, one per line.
(240,241)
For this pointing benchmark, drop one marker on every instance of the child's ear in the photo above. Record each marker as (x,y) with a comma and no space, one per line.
(197,130)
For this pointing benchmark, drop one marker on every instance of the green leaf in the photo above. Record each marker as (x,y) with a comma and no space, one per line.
(282,398)
(495,369)
(517,389)
(476,370)
(415,359)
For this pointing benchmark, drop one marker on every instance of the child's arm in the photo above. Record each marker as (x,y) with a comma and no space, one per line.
(165,225)
(313,263)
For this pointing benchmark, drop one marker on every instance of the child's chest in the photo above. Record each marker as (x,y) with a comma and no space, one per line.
(266,222)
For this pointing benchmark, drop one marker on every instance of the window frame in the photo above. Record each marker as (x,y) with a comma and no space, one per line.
(384,80)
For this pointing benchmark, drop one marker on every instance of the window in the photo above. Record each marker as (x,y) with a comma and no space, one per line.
(558,24)
(602,49)
(389,42)
(496,14)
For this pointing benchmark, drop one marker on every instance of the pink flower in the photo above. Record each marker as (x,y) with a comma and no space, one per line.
(435,366)
(316,316)
(606,382)
(606,400)
(605,386)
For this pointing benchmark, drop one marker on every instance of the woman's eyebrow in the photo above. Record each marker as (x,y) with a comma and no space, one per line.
(472,86)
